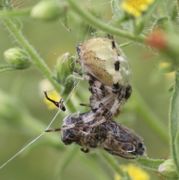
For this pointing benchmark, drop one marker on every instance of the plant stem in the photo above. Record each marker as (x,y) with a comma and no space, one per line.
(5,68)
(150,118)
(35,57)
(110,160)
(12,13)
(101,25)
(174,123)
(149,163)
(67,159)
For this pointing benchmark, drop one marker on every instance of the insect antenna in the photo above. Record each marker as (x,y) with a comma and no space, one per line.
(59,104)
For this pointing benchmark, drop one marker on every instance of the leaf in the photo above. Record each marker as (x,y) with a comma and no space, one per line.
(174,122)
(149,163)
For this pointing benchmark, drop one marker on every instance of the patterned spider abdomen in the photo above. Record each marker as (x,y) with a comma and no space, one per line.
(102,58)
(104,99)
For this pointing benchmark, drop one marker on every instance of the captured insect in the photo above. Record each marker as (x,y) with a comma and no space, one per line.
(91,130)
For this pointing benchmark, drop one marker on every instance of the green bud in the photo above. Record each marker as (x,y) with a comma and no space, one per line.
(139,26)
(64,67)
(17,58)
(168,169)
(69,84)
(48,10)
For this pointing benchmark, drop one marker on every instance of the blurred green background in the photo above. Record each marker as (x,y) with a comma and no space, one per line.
(21,103)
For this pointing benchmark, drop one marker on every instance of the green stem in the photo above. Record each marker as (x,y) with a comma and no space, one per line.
(5,68)
(110,160)
(84,14)
(125,44)
(177,3)
(151,164)
(35,57)
(174,122)
(68,158)
(13,13)
(150,118)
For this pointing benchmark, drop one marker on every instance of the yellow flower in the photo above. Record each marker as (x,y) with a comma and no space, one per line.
(167,69)
(46,86)
(136,7)
(52,95)
(170,76)
(134,172)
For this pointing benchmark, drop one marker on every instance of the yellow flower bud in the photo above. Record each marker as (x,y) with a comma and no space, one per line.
(135,173)
(166,67)
(17,58)
(48,10)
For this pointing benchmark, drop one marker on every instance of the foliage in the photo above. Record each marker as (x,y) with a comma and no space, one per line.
(153,26)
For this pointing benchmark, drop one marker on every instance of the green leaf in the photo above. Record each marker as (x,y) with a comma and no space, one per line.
(149,163)
(174,122)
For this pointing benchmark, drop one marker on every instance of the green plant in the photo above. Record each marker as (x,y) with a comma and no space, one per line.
(161,22)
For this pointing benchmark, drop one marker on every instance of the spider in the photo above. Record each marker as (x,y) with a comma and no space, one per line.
(109,89)
(107,71)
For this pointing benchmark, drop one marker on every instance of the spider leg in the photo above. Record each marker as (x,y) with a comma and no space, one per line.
(83,104)
(53,130)
(85,149)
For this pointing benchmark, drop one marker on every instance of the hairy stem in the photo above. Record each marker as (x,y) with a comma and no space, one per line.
(113,163)
(86,16)
(174,123)
(5,68)
(13,13)
(35,57)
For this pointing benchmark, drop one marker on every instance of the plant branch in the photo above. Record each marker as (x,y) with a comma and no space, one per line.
(150,118)
(151,164)
(4,68)
(13,13)
(93,21)
(35,57)
(113,163)
(174,122)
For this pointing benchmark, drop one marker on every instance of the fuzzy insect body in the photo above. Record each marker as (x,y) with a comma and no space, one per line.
(109,135)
